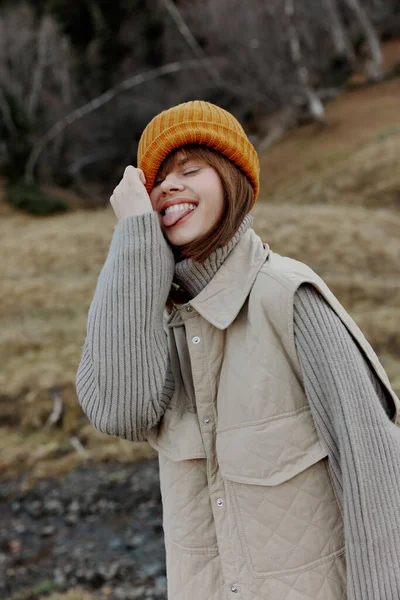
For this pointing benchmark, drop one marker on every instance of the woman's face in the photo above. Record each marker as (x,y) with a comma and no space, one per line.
(195,191)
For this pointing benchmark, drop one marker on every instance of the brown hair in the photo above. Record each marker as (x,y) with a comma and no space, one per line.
(238,198)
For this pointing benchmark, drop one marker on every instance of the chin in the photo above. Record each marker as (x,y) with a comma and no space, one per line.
(181,235)
(180,239)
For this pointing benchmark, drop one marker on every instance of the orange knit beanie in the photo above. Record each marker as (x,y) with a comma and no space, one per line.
(196,122)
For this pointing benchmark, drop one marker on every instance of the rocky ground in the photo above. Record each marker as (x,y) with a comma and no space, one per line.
(99,527)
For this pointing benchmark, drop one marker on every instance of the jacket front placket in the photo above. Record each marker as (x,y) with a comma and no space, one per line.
(205,344)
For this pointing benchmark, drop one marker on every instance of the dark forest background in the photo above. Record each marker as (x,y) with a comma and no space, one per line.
(80,80)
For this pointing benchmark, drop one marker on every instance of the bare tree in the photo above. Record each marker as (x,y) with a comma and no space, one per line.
(99,101)
(281,49)
(43,43)
(191,41)
(34,73)
(374,62)
(193,44)
(315,105)
(341,39)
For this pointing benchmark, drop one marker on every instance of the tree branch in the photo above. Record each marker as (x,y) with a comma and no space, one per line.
(341,39)
(7,116)
(315,105)
(374,67)
(104,98)
(199,52)
(191,40)
(40,66)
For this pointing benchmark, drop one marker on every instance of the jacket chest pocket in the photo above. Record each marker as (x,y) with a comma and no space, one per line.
(281,494)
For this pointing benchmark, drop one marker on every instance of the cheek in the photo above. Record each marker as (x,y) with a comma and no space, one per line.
(218,202)
(215,208)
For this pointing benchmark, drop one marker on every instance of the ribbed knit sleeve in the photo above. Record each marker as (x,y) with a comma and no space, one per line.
(124,381)
(352,416)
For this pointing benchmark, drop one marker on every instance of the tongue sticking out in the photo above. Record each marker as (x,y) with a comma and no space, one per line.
(173,217)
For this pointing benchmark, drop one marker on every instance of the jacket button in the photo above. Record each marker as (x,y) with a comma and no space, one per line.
(234,588)
(206,420)
(220,502)
(189,308)
(196,339)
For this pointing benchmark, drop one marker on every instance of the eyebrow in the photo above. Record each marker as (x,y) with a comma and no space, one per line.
(183,160)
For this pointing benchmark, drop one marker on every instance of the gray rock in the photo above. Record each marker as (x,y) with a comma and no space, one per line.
(54,507)
(48,530)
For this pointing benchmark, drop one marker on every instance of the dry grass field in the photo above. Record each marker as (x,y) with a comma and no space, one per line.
(330,198)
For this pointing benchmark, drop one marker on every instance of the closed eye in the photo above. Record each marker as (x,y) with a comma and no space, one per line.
(187,172)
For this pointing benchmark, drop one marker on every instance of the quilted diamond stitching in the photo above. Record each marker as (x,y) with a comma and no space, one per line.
(197,580)
(253,522)
(187,479)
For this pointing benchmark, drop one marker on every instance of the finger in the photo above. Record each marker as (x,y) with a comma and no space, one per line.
(142,176)
(128,170)
(130,177)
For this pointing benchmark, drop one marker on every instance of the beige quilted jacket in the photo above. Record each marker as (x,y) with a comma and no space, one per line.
(249,507)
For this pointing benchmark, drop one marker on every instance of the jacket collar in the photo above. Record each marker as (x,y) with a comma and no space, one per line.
(221,299)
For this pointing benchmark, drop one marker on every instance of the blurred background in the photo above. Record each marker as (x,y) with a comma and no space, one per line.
(316,87)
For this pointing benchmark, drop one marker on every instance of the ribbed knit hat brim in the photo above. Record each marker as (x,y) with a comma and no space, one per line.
(196,122)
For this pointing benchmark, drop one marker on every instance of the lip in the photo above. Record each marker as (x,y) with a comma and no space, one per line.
(173,201)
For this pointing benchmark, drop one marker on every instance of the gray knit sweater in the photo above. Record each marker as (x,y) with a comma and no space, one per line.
(125,357)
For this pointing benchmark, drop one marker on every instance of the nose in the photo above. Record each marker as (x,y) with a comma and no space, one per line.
(170,184)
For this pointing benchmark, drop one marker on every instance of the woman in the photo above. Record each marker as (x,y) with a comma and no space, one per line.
(272,416)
